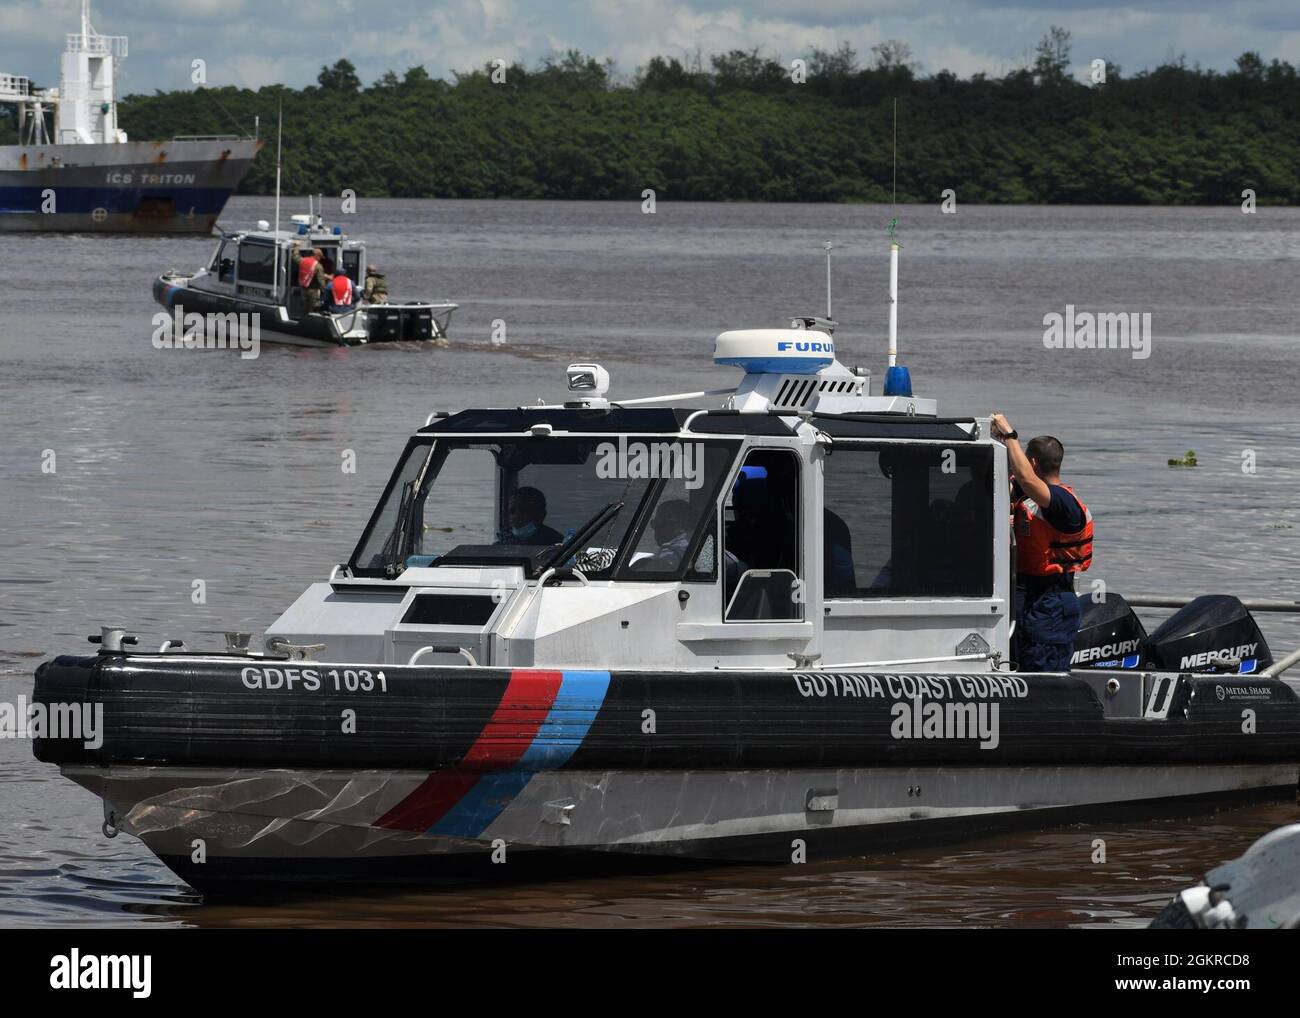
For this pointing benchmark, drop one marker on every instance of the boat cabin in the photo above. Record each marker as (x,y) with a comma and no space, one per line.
(244,263)
(804,522)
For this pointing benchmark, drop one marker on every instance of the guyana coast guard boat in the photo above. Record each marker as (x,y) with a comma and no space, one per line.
(776,628)
(251,278)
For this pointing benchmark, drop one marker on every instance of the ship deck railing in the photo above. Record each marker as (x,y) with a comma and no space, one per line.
(93,42)
(15,88)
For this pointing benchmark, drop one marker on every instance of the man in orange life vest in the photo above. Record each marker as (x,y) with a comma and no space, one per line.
(1053,542)
(341,292)
(310,276)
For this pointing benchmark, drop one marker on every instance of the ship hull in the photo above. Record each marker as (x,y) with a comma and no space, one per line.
(223,831)
(133,187)
(238,770)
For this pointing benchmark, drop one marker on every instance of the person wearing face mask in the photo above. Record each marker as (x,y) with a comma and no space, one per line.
(525,512)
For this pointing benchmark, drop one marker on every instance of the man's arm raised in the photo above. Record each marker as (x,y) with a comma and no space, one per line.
(1021,469)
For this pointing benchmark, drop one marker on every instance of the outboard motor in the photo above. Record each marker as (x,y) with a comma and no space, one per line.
(1111,635)
(1214,633)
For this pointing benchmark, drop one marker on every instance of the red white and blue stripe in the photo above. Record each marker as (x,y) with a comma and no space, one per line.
(541,720)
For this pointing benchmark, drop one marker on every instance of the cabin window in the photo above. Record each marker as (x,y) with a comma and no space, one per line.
(679,530)
(352,266)
(224,262)
(908,521)
(761,561)
(502,500)
(256,264)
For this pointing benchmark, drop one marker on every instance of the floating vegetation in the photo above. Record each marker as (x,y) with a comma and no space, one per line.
(1187,461)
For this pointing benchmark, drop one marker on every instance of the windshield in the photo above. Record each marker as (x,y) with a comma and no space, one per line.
(565,502)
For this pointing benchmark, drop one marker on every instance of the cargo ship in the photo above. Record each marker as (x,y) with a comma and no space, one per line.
(75,170)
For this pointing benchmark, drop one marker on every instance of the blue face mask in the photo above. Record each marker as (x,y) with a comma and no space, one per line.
(526,531)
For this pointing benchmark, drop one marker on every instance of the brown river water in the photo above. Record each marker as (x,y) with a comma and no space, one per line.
(174,465)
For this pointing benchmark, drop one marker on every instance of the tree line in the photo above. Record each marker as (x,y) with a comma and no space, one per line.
(749,126)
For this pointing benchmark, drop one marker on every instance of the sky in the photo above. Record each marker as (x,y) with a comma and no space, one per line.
(250,43)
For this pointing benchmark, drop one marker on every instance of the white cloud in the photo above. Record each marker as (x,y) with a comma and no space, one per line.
(254,42)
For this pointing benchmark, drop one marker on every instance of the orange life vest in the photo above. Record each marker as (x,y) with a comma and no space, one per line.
(1042,550)
(306,270)
(342,287)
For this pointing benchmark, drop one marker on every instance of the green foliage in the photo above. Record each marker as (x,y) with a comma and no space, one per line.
(342,77)
(735,127)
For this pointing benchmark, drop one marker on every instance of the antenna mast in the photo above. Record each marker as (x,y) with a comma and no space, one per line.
(898,380)
(279,138)
(828,247)
(893,255)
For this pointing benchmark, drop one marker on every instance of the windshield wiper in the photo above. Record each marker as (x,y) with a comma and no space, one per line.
(588,529)
(399,538)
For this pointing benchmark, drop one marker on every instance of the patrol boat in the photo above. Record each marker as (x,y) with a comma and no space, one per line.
(75,170)
(775,628)
(250,279)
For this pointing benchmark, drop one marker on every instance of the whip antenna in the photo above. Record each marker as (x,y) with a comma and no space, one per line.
(898,380)
(279,137)
(828,245)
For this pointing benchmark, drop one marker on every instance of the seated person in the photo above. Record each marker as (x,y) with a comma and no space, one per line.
(525,512)
(837,562)
(953,557)
(762,531)
(671,528)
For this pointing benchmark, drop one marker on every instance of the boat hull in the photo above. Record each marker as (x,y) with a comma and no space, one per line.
(281,771)
(221,830)
(132,187)
(371,323)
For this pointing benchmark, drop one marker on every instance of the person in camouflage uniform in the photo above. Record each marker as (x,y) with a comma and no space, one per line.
(375,290)
(311,278)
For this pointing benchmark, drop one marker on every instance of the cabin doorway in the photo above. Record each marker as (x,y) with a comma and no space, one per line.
(761,542)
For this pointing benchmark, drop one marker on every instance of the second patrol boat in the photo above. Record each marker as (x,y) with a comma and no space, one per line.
(251,276)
